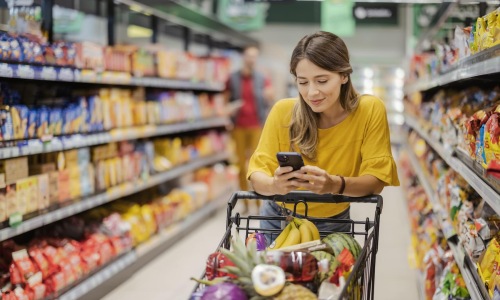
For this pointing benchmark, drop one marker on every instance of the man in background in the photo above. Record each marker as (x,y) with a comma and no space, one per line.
(250,91)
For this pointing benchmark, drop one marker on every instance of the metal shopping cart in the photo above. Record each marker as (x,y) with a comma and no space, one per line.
(361,282)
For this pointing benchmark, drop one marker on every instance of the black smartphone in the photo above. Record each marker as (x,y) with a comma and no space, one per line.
(290,159)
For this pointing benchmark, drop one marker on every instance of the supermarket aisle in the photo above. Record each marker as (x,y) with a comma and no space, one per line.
(167,277)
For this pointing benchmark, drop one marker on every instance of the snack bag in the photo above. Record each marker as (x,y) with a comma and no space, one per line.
(491,139)
(19,115)
(55,121)
(43,122)
(23,264)
(32,122)
(486,261)
(480,153)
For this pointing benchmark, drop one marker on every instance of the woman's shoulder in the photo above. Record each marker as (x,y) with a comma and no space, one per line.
(369,104)
(286,104)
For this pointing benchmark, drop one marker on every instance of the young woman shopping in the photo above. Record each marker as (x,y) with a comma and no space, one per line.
(342,136)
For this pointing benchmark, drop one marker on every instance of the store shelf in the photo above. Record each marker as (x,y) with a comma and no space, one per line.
(483,63)
(142,254)
(110,195)
(479,185)
(446,228)
(35,146)
(101,276)
(459,254)
(46,73)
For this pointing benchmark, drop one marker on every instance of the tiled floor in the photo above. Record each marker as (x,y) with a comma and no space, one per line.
(167,277)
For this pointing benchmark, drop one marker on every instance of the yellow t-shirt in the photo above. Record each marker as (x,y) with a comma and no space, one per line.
(357,146)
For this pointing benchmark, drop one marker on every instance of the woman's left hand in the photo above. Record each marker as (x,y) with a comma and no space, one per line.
(317,180)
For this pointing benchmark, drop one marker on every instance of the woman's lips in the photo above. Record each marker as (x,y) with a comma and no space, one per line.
(316,102)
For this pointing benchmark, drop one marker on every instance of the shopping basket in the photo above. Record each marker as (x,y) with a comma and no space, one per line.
(361,282)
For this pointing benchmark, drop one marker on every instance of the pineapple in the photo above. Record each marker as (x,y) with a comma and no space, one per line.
(245,259)
(295,292)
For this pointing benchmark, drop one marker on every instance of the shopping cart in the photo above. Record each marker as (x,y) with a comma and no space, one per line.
(361,282)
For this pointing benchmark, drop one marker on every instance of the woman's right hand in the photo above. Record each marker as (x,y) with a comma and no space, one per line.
(282,180)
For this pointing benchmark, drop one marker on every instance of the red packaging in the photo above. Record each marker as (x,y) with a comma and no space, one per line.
(298,266)
(15,275)
(40,261)
(54,256)
(35,288)
(9,296)
(69,273)
(24,264)
(91,259)
(55,283)
(77,264)
(21,294)
(215,262)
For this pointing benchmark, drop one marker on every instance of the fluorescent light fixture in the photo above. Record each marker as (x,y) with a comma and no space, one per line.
(368,72)
(400,73)
(134,31)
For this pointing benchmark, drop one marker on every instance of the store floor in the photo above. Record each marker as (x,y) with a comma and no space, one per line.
(167,277)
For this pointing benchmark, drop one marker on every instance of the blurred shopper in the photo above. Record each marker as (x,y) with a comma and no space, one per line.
(250,91)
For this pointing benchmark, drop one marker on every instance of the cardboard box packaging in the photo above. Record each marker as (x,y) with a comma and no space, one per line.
(54,187)
(14,169)
(63,186)
(3,199)
(42,168)
(43,191)
(10,200)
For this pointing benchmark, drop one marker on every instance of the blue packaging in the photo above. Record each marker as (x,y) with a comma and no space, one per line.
(5,50)
(55,121)
(42,124)
(95,114)
(7,127)
(16,53)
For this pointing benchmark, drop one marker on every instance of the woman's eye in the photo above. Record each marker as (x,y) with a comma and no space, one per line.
(322,81)
(303,83)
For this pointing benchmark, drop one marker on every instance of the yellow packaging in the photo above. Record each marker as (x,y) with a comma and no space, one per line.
(53,187)
(74,182)
(493,28)
(486,263)
(23,196)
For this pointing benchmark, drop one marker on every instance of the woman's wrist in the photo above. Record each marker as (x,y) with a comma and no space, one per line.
(339,184)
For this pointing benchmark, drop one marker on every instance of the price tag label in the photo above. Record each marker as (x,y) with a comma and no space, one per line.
(48,73)
(15,219)
(25,72)
(6,71)
(66,74)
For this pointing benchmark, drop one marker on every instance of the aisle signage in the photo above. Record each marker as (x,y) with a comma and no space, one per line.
(376,13)
(337,18)
(242,15)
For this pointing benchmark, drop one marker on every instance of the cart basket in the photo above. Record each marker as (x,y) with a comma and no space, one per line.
(361,282)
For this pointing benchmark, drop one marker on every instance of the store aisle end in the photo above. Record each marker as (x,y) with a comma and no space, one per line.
(167,277)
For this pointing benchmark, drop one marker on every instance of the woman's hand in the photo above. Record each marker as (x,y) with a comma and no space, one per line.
(283,182)
(317,180)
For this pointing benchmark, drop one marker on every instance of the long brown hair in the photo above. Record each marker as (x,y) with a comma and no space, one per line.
(329,52)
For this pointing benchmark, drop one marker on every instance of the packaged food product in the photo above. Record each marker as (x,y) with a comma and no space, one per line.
(486,261)
(298,266)
(43,122)
(23,264)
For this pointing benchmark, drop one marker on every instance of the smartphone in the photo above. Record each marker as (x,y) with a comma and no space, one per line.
(290,159)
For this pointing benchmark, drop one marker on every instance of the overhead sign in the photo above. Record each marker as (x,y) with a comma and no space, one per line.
(241,15)
(336,17)
(376,13)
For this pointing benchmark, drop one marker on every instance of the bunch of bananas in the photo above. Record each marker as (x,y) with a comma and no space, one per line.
(296,232)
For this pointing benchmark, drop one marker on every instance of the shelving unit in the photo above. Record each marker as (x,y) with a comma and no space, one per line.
(144,252)
(481,187)
(45,73)
(483,63)
(108,196)
(35,146)
(457,250)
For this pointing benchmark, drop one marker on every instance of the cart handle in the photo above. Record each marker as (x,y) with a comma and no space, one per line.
(308,196)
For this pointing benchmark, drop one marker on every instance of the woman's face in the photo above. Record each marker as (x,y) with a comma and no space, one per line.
(318,87)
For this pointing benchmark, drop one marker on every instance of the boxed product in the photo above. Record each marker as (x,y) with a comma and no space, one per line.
(3,199)
(14,169)
(43,191)
(89,56)
(64,185)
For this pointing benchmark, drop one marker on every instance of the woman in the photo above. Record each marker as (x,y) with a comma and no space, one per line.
(343,137)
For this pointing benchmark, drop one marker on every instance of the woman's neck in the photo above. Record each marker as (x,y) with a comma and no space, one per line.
(332,117)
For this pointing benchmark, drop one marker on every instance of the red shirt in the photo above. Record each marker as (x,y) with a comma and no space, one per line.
(248,116)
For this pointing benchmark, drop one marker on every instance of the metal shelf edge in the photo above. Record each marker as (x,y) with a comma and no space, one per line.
(466,273)
(464,71)
(94,139)
(108,196)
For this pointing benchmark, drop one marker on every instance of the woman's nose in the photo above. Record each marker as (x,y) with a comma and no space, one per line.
(312,90)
